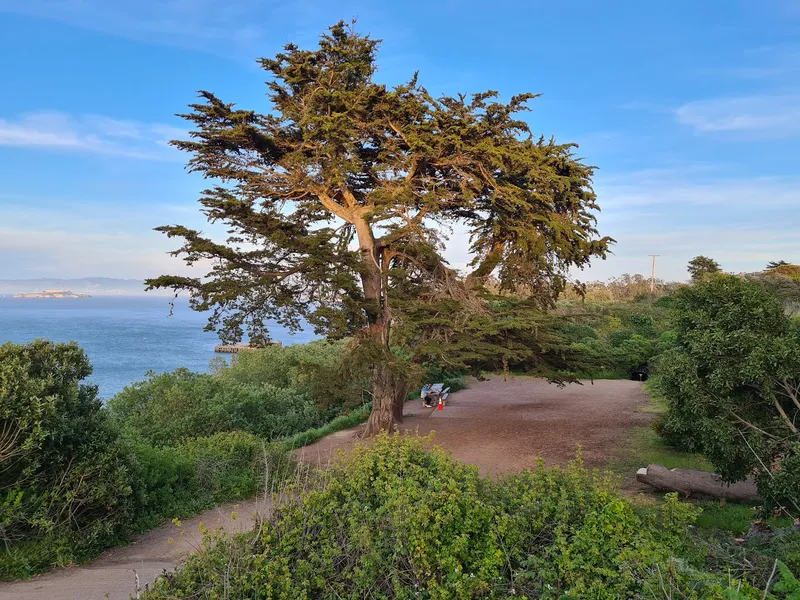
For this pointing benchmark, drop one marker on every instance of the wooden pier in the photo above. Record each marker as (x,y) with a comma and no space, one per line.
(236,348)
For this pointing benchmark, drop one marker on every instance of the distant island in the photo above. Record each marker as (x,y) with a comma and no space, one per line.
(96,286)
(52,294)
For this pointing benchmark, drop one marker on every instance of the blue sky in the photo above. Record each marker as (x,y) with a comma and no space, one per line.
(691,111)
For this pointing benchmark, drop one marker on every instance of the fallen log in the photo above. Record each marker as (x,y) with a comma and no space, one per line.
(698,483)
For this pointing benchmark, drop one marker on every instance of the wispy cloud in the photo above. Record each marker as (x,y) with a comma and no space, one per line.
(683,211)
(86,239)
(761,63)
(235,28)
(767,116)
(745,72)
(738,247)
(90,133)
(694,186)
(176,22)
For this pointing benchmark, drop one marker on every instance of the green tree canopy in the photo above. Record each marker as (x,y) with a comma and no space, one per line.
(701,267)
(337,200)
(732,385)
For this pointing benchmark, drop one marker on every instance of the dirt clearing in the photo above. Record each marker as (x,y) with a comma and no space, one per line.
(506,426)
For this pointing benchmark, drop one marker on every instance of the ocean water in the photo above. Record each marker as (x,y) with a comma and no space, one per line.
(124,336)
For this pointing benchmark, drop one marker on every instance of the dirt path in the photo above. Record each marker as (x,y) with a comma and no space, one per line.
(113,575)
(499,426)
(506,426)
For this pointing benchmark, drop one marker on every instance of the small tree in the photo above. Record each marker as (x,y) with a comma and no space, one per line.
(775,264)
(700,267)
(337,197)
(732,385)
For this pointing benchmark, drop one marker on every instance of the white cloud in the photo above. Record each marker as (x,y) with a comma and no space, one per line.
(146,20)
(681,189)
(90,133)
(62,253)
(683,212)
(85,240)
(772,62)
(236,28)
(677,212)
(770,116)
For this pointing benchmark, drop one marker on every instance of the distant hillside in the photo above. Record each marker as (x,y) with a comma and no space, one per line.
(96,286)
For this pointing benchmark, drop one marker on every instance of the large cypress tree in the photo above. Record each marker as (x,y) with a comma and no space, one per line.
(336,199)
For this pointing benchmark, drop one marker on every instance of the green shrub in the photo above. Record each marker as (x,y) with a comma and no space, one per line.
(617,339)
(64,485)
(73,485)
(201,473)
(665,302)
(397,521)
(227,466)
(787,584)
(167,408)
(164,488)
(731,385)
(273,393)
(577,332)
(315,369)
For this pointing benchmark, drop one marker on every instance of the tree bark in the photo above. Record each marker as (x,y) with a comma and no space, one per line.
(385,413)
(698,483)
(388,389)
(401,389)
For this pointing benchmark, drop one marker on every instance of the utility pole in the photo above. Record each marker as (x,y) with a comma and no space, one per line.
(653,274)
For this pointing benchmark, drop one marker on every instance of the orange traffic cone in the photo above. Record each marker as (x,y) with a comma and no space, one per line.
(441,405)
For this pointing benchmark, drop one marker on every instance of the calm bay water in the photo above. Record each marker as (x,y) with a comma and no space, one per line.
(124,336)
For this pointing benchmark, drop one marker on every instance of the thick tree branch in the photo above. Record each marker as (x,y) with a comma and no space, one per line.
(784,416)
(336,208)
(791,391)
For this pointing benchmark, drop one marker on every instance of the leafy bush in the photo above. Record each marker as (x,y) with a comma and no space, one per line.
(397,521)
(315,369)
(203,472)
(732,385)
(65,476)
(577,332)
(72,484)
(272,393)
(619,339)
(167,408)
(665,302)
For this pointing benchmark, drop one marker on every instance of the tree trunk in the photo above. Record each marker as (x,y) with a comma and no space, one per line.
(400,393)
(385,413)
(698,483)
(388,388)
